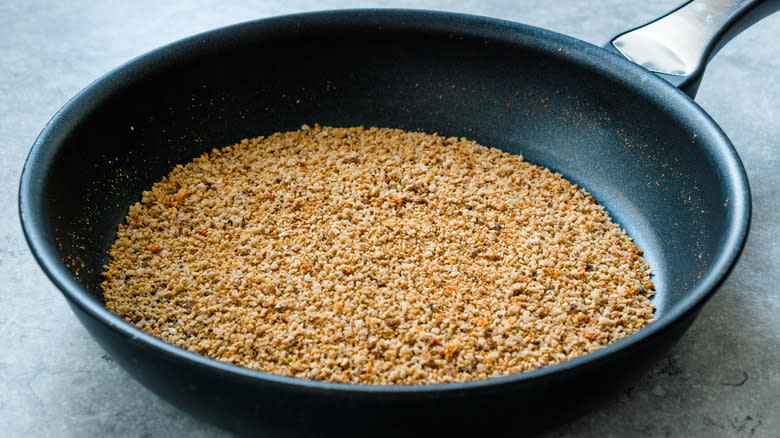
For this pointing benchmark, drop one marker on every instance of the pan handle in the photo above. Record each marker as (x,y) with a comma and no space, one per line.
(679,45)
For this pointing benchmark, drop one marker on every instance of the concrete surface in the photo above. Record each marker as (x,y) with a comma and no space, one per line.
(721,380)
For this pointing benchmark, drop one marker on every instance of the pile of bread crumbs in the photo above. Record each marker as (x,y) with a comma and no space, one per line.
(375,256)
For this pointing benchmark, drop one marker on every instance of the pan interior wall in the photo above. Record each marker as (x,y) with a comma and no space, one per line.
(650,170)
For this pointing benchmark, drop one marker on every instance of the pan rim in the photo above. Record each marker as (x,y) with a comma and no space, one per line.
(581,54)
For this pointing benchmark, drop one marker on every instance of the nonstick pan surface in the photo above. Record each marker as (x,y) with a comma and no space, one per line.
(645,150)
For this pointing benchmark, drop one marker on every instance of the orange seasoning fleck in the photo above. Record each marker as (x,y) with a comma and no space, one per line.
(448,352)
(307,267)
(155,248)
(201,231)
(348,270)
(182,195)
(482,322)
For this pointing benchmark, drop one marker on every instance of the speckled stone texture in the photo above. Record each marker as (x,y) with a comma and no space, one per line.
(721,380)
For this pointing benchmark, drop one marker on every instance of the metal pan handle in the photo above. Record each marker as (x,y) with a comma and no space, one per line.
(679,45)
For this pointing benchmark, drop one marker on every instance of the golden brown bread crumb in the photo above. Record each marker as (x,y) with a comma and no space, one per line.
(375,256)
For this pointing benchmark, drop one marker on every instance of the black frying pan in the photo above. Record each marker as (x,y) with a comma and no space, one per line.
(643,148)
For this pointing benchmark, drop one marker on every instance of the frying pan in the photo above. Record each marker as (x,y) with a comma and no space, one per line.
(641,146)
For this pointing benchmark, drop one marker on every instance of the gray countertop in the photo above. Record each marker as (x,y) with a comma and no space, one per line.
(721,380)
